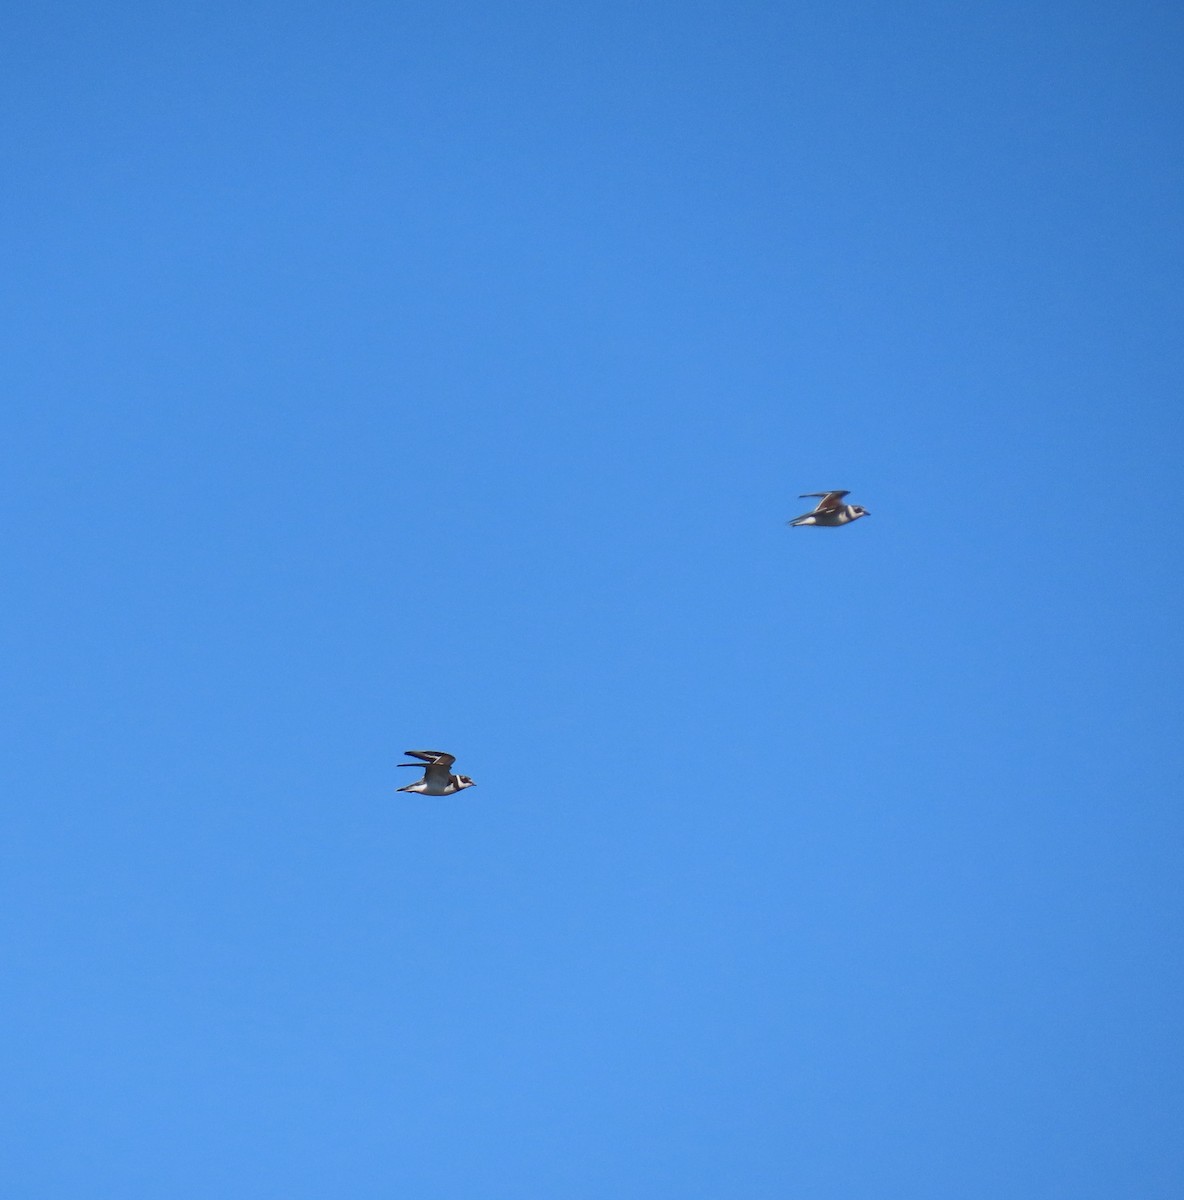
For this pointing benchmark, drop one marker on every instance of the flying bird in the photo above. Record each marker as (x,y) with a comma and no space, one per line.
(437,779)
(830,511)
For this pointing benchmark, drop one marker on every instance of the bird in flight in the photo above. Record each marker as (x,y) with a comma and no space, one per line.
(437,779)
(830,510)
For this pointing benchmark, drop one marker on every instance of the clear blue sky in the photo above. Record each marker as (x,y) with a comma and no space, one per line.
(443,374)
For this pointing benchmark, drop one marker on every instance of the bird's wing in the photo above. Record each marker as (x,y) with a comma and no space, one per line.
(430,756)
(828,499)
(439,772)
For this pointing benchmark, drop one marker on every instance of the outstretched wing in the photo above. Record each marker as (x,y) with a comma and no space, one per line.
(431,757)
(827,499)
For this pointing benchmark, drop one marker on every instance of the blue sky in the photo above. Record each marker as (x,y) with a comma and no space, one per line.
(385,376)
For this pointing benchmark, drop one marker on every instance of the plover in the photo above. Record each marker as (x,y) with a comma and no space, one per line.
(437,779)
(830,510)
